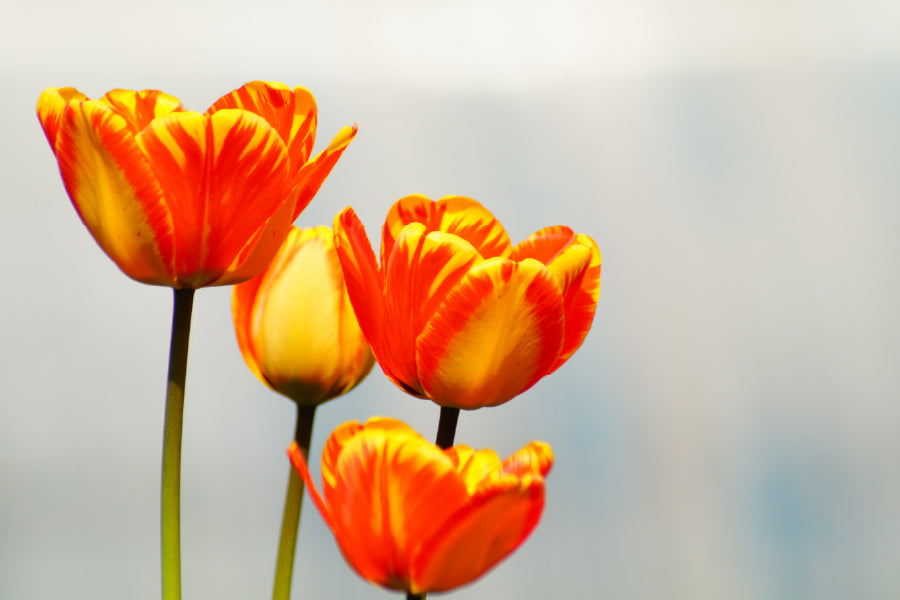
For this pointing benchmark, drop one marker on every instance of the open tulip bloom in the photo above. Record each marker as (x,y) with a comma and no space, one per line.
(455,312)
(412,517)
(184,199)
(187,200)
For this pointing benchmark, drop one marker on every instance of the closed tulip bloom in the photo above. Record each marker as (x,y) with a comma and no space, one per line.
(184,199)
(410,516)
(455,312)
(294,323)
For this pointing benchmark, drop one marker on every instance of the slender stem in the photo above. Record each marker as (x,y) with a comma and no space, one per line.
(447,427)
(293,502)
(411,596)
(171,459)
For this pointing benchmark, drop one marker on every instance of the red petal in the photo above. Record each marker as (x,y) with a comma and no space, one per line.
(313,174)
(225,176)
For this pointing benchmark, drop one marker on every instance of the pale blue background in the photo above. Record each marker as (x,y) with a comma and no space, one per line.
(731,427)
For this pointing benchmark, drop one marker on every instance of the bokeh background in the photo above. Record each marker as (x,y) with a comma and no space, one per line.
(730,428)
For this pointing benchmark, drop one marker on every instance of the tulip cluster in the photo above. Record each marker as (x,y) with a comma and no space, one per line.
(451,310)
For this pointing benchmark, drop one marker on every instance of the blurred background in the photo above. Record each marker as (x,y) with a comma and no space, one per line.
(730,428)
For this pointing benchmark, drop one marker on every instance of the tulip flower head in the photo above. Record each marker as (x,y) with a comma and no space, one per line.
(184,199)
(410,516)
(455,312)
(294,323)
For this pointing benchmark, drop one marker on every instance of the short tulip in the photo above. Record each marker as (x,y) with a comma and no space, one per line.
(410,516)
(183,199)
(457,314)
(294,323)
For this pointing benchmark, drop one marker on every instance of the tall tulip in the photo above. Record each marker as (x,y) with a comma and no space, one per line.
(455,312)
(183,199)
(410,516)
(298,334)
(187,200)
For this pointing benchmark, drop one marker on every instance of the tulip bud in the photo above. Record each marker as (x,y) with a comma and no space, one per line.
(294,323)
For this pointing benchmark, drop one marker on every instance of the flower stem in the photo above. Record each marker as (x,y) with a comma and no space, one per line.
(293,502)
(411,596)
(447,427)
(171,459)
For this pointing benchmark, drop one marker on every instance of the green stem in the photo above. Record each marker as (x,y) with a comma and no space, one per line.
(171,459)
(293,502)
(447,427)
(411,596)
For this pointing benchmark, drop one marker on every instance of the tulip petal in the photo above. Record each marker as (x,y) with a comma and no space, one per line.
(393,491)
(458,215)
(478,536)
(536,457)
(473,466)
(497,333)
(115,191)
(575,261)
(363,280)
(420,272)
(139,108)
(50,106)
(224,176)
(313,174)
(305,278)
(292,113)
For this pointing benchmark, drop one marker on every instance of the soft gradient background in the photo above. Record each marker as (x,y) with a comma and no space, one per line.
(731,427)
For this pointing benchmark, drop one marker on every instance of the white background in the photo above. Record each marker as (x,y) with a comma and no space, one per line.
(731,427)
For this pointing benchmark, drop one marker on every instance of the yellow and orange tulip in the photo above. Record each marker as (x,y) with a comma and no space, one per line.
(455,312)
(184,199)
(294,323)
(410,516)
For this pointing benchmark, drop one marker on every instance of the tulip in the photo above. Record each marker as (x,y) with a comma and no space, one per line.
(412,517)
(295,327)
(183,199)
(457,314)
(297,333)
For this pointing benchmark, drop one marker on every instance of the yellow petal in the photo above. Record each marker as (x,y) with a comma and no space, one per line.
(115,191)
(139,108)
(497,333)
(51,104)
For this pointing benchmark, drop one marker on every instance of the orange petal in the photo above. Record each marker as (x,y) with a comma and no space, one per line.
(479,535)
(392,492)
(292,113)
(458,215)
(497,333)
(115,191)
(419,274)
(50,106)
(299,463)
(535,458)
(363,279)
(312,175)
(224,176)
(139,108)
(575,261)
(259,249)
(243,297)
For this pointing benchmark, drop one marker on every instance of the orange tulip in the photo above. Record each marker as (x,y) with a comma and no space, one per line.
(455,313)
(183,199)
(410,516)
(294,323)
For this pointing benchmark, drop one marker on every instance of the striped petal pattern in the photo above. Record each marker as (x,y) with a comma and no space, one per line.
(295,327)
(454,312)
(182,199)
(410,516)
